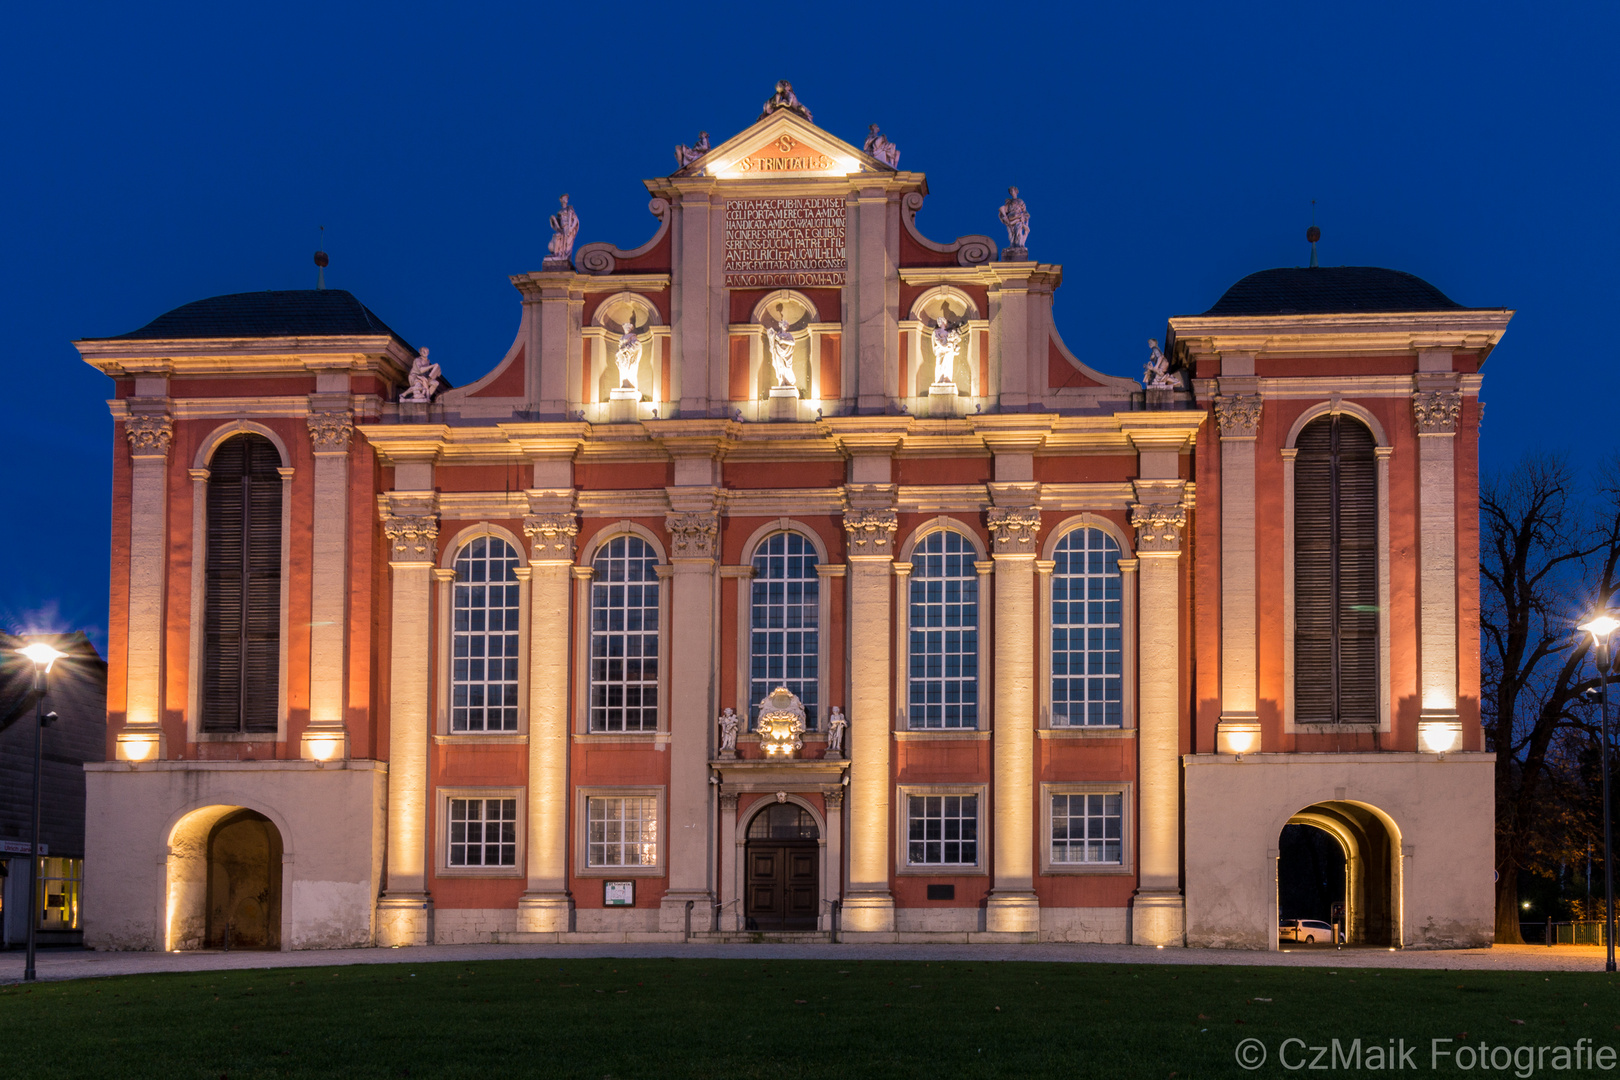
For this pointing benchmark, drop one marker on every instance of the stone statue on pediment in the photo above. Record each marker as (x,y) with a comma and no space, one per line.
(1015,215)
(564,229)
(1156,375)
(780,339)
(628,357)
(424,379)
(685,155)
(879,146)
(785,99)
(947,342)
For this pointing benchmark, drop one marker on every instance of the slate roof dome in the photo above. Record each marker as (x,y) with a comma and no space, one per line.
(1331,290)
(291,313)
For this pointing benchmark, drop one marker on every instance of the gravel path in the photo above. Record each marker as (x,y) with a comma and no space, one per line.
(75,964)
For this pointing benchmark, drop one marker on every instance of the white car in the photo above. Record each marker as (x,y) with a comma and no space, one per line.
(1310,931)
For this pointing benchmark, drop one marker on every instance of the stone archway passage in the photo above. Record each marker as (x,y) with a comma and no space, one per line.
(1371,894)
(244,883)
(782,877)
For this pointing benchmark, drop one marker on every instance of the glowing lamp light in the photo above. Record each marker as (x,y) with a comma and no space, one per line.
(1601,627)
(1439,736)
(42,654)
(323,749)
(139,748)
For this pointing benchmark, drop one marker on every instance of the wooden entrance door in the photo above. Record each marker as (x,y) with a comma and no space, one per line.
(783,870)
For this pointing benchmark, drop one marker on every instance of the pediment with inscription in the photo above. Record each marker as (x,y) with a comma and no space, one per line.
(783,145)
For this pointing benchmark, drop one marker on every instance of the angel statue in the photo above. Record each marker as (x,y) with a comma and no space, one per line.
(881,148)
(785,99)
(1015,215)
(729,722)
(1156,375)
(564,228)
(947,344)
(685,155)
(424,377)
(780,339)
(835,733)
(628,357)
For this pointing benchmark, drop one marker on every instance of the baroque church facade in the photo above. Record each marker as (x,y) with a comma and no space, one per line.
(790,574)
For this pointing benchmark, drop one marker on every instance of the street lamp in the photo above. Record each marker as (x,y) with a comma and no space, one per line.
(1600,628)
(43,656)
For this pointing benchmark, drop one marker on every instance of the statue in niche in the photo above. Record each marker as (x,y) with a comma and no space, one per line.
(780,339)
(1156,375)
(685,155)
(729,722)
(628,357)
(785,99)
(947,343)
(424,377)
(564,228)
(1015,215)
(881,148)
(836,724)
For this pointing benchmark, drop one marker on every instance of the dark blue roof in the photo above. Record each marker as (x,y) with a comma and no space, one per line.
(293,313)
(1331,290)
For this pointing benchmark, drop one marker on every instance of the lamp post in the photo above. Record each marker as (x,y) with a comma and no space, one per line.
(1600,628)
(43,656)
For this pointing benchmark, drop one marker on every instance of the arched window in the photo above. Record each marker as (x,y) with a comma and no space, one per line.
(624,637)
(484,638)
(241,676)
(944,647)
(784,644)
(1088,683)
(1335,573)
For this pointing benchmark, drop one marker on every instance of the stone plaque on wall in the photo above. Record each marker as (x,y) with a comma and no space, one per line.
(784,242)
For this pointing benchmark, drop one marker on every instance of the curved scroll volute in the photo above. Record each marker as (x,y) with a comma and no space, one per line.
(604,258)
(969,250)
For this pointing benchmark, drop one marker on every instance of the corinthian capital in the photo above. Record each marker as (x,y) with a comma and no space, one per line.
(329,432)
(552,535)
(412,536)
(871,532)
(149,434)
(1013,530)
(1158,526)
(692,536)
(1436,412)
(1238,415)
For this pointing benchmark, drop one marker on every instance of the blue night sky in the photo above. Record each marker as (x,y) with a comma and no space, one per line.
(159,154)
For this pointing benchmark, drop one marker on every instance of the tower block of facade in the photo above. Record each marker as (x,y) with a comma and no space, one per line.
(790,574)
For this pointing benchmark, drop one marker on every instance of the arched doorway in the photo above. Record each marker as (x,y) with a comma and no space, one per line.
(224,880)
(1339,862)
(782,860)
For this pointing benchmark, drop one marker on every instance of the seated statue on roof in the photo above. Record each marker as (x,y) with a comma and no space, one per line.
(785,99)
(424,379)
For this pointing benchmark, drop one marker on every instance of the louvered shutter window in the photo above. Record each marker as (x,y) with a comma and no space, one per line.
(242,607)
(1335,574)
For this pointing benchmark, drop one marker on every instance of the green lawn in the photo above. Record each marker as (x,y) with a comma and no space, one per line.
(632,1019)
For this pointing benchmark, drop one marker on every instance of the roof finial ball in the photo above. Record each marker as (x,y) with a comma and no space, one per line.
(320,261)
(1313,234)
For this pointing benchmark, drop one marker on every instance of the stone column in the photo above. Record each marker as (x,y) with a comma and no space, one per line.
(544,906)
(405,910)
(1436,408)
(327,735)
(150,435)
(875,353)
(1238,417)
(730,909)
(1158,910)
(694,546)
(868,906)
(1013,906)
(832,876)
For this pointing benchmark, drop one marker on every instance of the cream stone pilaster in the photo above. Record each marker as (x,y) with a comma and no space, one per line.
(868,905)
(729,906)
(150,435)
(1157,910)
(1436,406)
(832,870)
(694,536)
(327,735)
(1237,415)
(875,296)
(699,219)
(1013,906)
(405,910)
(544,906)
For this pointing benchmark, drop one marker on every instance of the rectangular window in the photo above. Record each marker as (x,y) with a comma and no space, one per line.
(943,670)
(784,643)
(483,832)
(624,637)
(943,830)
(1088,828)
(621,830)
(61,882)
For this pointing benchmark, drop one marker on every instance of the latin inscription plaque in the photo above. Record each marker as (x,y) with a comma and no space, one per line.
(776,242)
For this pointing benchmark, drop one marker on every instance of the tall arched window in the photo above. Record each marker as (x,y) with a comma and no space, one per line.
(944,647)
(484,637)
(241,677)
(1335,573)
(1088,683)
(624,636)
(784,644)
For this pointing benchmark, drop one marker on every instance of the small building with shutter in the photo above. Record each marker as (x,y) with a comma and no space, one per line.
(789,574)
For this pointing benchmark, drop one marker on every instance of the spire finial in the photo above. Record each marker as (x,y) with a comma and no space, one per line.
(1313,234)
(321,261)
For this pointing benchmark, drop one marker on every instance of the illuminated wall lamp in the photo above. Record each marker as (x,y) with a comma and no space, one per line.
(321,746)
(1440,736)
(137,745)
(1237,736)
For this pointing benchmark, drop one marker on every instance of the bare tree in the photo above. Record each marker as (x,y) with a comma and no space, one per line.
(1548,555)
